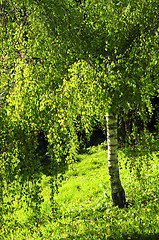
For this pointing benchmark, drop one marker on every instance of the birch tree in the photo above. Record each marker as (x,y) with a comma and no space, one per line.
(119,39)
(96,59)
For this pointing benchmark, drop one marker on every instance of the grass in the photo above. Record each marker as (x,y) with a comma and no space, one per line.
(84,207)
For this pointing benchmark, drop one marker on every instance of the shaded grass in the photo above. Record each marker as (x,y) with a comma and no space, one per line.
(84,207)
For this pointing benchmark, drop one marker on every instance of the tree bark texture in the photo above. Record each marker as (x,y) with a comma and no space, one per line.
(117,191)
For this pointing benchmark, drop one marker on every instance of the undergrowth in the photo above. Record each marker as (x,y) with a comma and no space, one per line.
(83,207)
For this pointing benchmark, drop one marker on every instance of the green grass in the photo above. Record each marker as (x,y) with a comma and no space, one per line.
(84,207)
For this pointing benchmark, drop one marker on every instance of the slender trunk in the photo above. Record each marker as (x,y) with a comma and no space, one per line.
(117,191)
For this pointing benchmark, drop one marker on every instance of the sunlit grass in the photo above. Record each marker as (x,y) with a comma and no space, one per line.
(84,207)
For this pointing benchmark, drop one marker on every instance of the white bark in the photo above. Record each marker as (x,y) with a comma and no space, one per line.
(117,191)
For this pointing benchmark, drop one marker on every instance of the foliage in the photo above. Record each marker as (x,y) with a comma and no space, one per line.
(64,64)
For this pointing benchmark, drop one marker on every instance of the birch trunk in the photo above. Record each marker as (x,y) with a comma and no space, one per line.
(117,191)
